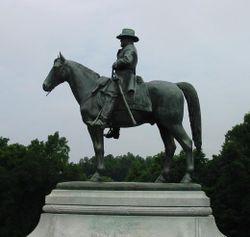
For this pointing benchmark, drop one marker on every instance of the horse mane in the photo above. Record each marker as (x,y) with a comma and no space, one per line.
(86,70)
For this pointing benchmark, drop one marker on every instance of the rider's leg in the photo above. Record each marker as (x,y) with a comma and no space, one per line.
(106,112)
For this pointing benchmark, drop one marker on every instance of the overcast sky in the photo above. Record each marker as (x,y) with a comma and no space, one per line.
(204,42)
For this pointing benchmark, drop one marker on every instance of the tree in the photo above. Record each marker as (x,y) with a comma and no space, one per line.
(227,181)
(27,175)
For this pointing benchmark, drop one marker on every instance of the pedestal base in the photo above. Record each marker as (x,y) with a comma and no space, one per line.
(86,209)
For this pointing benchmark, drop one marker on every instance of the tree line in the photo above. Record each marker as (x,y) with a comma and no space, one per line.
(29,173)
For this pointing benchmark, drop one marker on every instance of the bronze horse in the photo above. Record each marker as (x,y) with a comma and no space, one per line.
(167,112)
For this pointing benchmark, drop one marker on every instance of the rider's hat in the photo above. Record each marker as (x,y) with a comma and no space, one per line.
(128,33)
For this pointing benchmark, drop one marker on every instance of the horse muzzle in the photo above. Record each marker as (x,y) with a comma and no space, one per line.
(46,87)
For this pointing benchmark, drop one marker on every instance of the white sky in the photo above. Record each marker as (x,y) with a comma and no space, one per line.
(204,42)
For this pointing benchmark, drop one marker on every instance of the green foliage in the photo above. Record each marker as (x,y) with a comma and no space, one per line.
(27,174)
(227,180)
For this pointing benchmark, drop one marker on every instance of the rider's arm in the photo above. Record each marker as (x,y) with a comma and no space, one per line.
(126,60)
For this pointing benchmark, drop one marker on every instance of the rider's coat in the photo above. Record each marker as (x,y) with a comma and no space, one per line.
(126,66)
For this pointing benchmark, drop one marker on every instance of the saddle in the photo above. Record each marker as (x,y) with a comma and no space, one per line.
(137,100)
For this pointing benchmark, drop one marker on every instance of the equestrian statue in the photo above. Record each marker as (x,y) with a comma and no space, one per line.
(125,100)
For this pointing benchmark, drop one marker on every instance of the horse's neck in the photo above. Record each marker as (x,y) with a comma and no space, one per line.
(82,81)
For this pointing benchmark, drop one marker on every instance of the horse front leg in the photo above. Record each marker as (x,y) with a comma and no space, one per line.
(96,134)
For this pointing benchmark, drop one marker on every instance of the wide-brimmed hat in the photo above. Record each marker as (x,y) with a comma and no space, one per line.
(128,33)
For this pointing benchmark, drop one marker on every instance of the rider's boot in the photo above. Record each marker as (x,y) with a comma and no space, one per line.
(106,112)
(113,133)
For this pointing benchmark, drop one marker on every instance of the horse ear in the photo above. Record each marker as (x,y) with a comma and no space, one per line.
(61,57)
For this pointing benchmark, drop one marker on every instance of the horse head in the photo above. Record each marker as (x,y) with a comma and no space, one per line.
(57,75)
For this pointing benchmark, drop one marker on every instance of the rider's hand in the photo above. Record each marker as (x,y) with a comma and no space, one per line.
(115,77)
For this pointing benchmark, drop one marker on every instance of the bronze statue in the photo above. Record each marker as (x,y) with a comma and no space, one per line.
(159,102)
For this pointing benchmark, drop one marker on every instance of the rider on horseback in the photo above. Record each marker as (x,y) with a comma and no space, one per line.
(125,68)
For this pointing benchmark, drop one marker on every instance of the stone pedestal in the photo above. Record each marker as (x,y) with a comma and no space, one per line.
(87,209)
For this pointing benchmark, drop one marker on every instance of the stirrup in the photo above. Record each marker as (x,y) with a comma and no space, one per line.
(113,133)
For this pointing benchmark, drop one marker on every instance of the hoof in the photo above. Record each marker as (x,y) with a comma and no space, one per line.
(164,177)
(186,179)
(95,177)
(160,179)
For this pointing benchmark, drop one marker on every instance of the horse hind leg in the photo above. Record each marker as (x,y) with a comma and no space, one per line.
(186,143)
(170,148)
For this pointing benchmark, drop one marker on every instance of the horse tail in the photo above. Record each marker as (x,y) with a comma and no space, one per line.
(194,112)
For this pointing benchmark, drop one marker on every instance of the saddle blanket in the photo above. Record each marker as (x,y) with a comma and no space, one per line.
(137,100)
